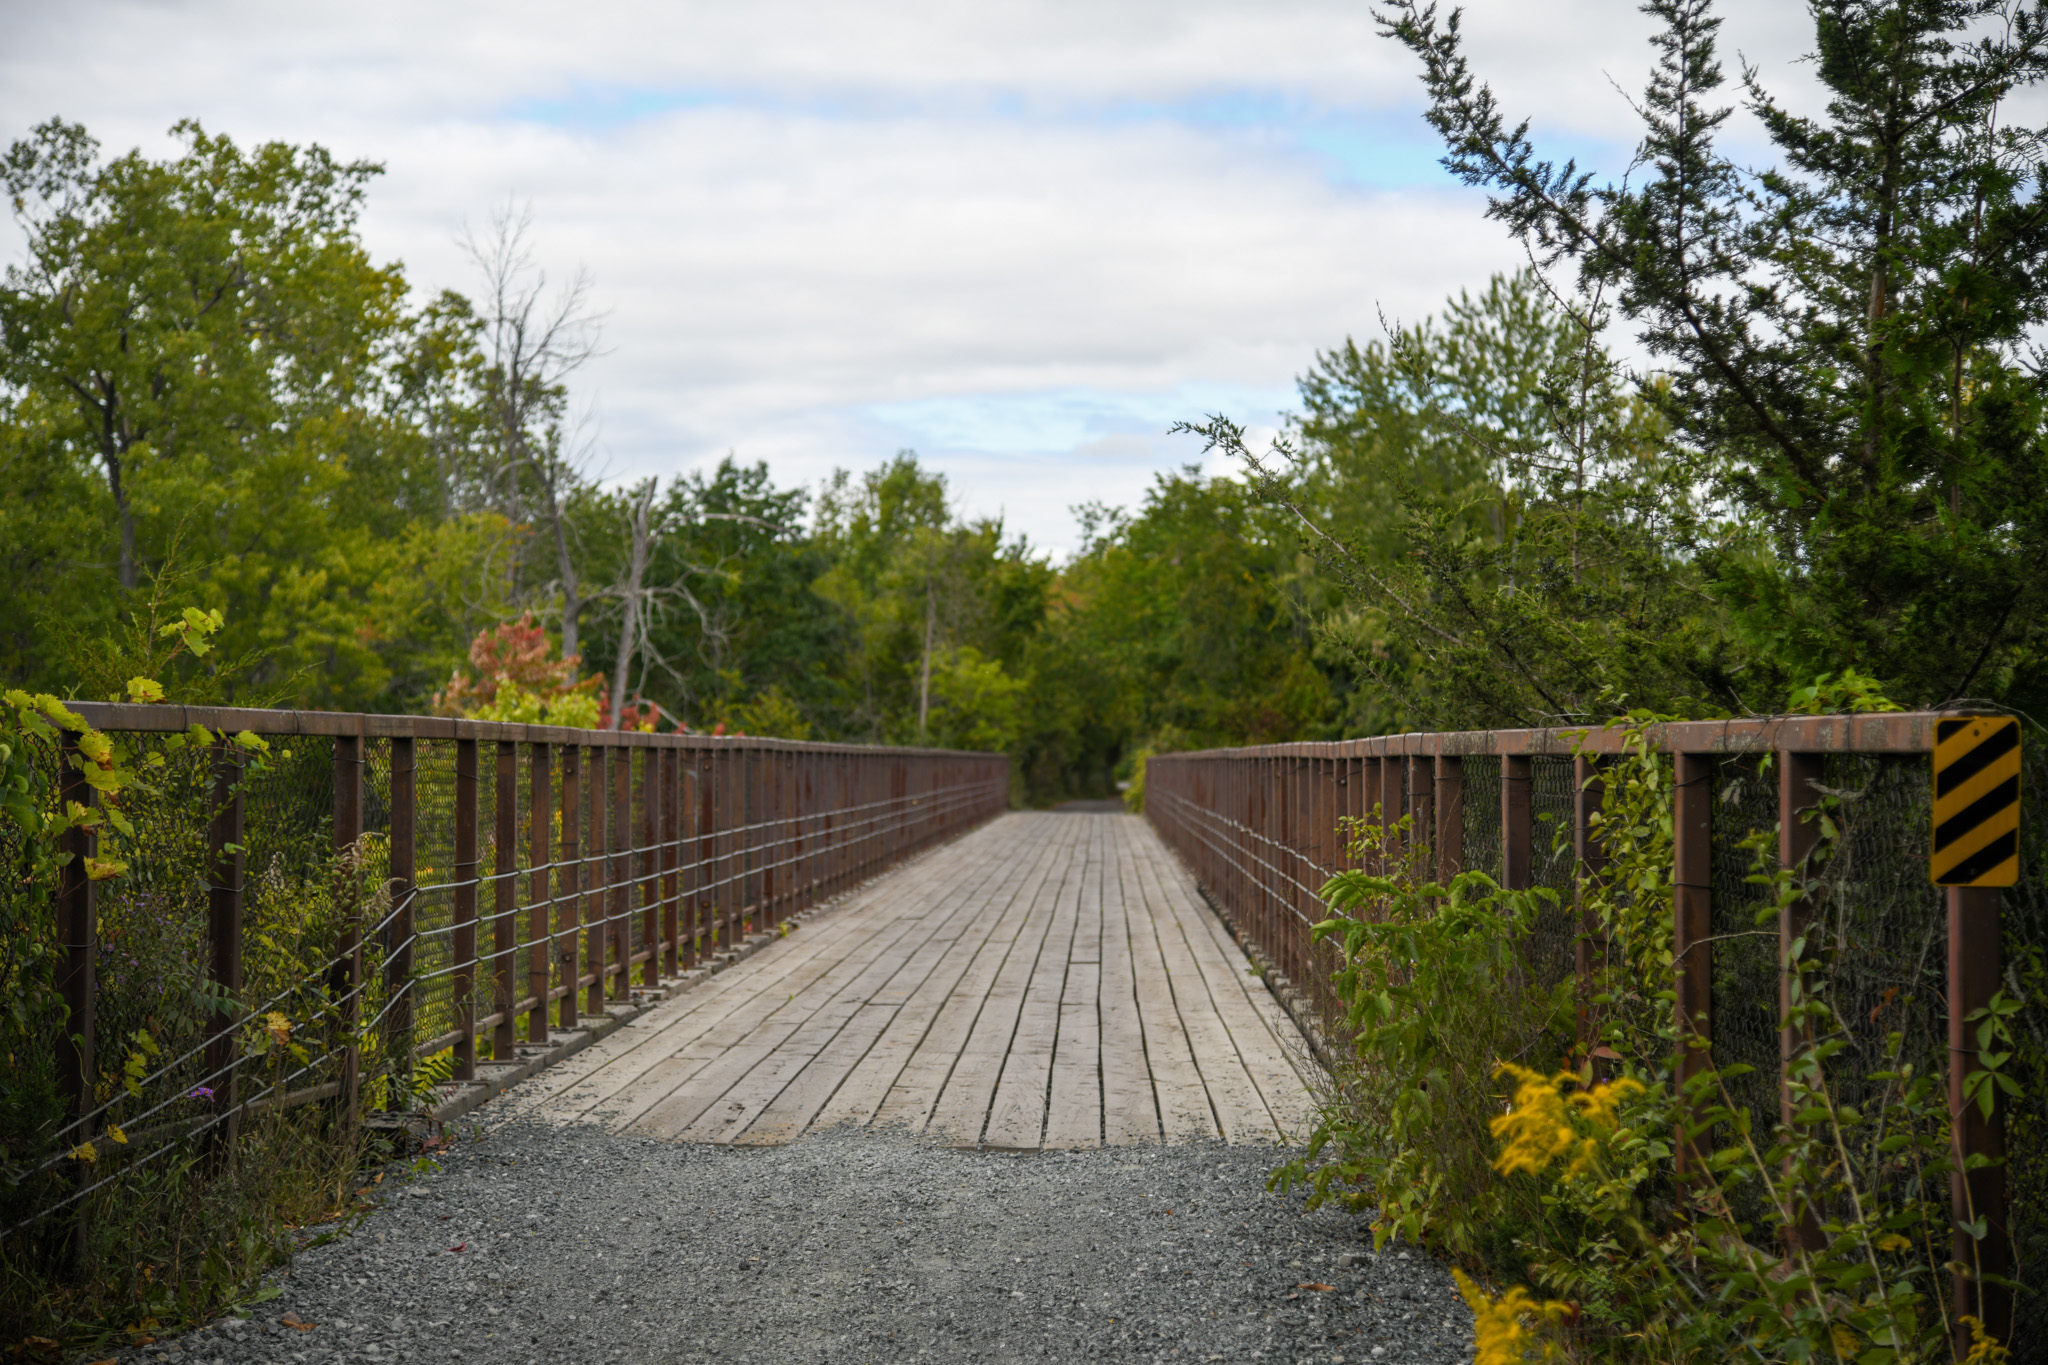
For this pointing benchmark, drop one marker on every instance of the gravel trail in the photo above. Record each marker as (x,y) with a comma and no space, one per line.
(579,1246)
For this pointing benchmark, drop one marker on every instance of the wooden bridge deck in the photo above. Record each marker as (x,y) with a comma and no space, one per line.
(1048,981)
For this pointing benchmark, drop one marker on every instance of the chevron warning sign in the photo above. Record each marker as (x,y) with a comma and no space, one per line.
(1976,801)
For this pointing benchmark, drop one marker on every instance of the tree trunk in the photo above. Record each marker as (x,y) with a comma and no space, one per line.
(127,517)
(924,687)
(629,608)
(572,587)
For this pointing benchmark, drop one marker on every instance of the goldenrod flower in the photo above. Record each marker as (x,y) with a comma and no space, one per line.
(1501,1327)
(1984,1348)
(1545,1125)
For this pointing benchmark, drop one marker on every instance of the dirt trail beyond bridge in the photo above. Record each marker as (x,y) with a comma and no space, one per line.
(1048,981)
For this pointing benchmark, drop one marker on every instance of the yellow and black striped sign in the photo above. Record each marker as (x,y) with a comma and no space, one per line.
(1976,801)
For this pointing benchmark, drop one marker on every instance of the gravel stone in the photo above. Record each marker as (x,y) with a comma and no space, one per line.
(535,1243)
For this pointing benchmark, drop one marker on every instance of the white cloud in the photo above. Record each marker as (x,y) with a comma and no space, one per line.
(1021,237)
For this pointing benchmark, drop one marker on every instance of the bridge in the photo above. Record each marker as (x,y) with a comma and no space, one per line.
(1046,981)
(750,975)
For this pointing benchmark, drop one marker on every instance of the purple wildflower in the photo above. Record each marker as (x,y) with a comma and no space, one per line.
(200,1092)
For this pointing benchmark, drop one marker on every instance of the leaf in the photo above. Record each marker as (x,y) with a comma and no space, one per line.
(292,1320)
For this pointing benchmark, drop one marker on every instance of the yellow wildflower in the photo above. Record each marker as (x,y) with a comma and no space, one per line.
(1501,1327)
(1984,1348)
(1545,1125)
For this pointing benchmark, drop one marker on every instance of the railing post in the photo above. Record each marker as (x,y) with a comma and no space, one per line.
(1422,803)
(597,869)
(569,884)
(1692,946)
(1799,797)
(1393,804)
(703,871)
(540,805)
(224,856)
(78,934)
(504,928)
(619,920)
(1372,801)
(1590,853)
(1450,816)
(651,877)
(403,881)
(1976,1196)
(1517,831)
(346,979)
(671,859)
(463,936)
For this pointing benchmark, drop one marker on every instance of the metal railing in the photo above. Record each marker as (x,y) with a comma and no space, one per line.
(1261,830)
(412,886)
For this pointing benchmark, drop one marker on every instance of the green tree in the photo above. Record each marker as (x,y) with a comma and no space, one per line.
(918,586)
(1846,335)
(206,336)
(1183,625)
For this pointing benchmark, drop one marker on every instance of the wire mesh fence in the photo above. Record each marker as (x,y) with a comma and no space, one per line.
(348,913)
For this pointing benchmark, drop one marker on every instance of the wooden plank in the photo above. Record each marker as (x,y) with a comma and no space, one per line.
(1016,1119)
(1239,1106)
(969,1039)
(688,1086)
(620,1061)
(1073,1115)
(1185,1111)
(684,1086)
(898,1082)
(1130,1110)
(790,1112)
(630,1055)
(749,1098)
(1230,965)
(1220,975)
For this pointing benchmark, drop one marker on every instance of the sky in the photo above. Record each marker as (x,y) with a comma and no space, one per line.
(1022,239)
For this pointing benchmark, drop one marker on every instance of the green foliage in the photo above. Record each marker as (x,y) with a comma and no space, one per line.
(1466,1118)
(1848,333)
(1435,993)
(1502,520)
(173,1233)
(1182,625)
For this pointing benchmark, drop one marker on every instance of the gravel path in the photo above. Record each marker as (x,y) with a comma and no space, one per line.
(583,1247)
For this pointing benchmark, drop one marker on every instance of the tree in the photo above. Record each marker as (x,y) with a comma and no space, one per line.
(1845,337)
(917,585)
(179,316)
(1186,624)
(1512,539)
(533,343)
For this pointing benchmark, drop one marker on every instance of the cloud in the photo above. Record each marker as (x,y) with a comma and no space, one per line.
(1021,237)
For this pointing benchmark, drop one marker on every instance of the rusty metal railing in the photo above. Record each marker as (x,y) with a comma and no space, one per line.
(458,888)
(1260,828)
